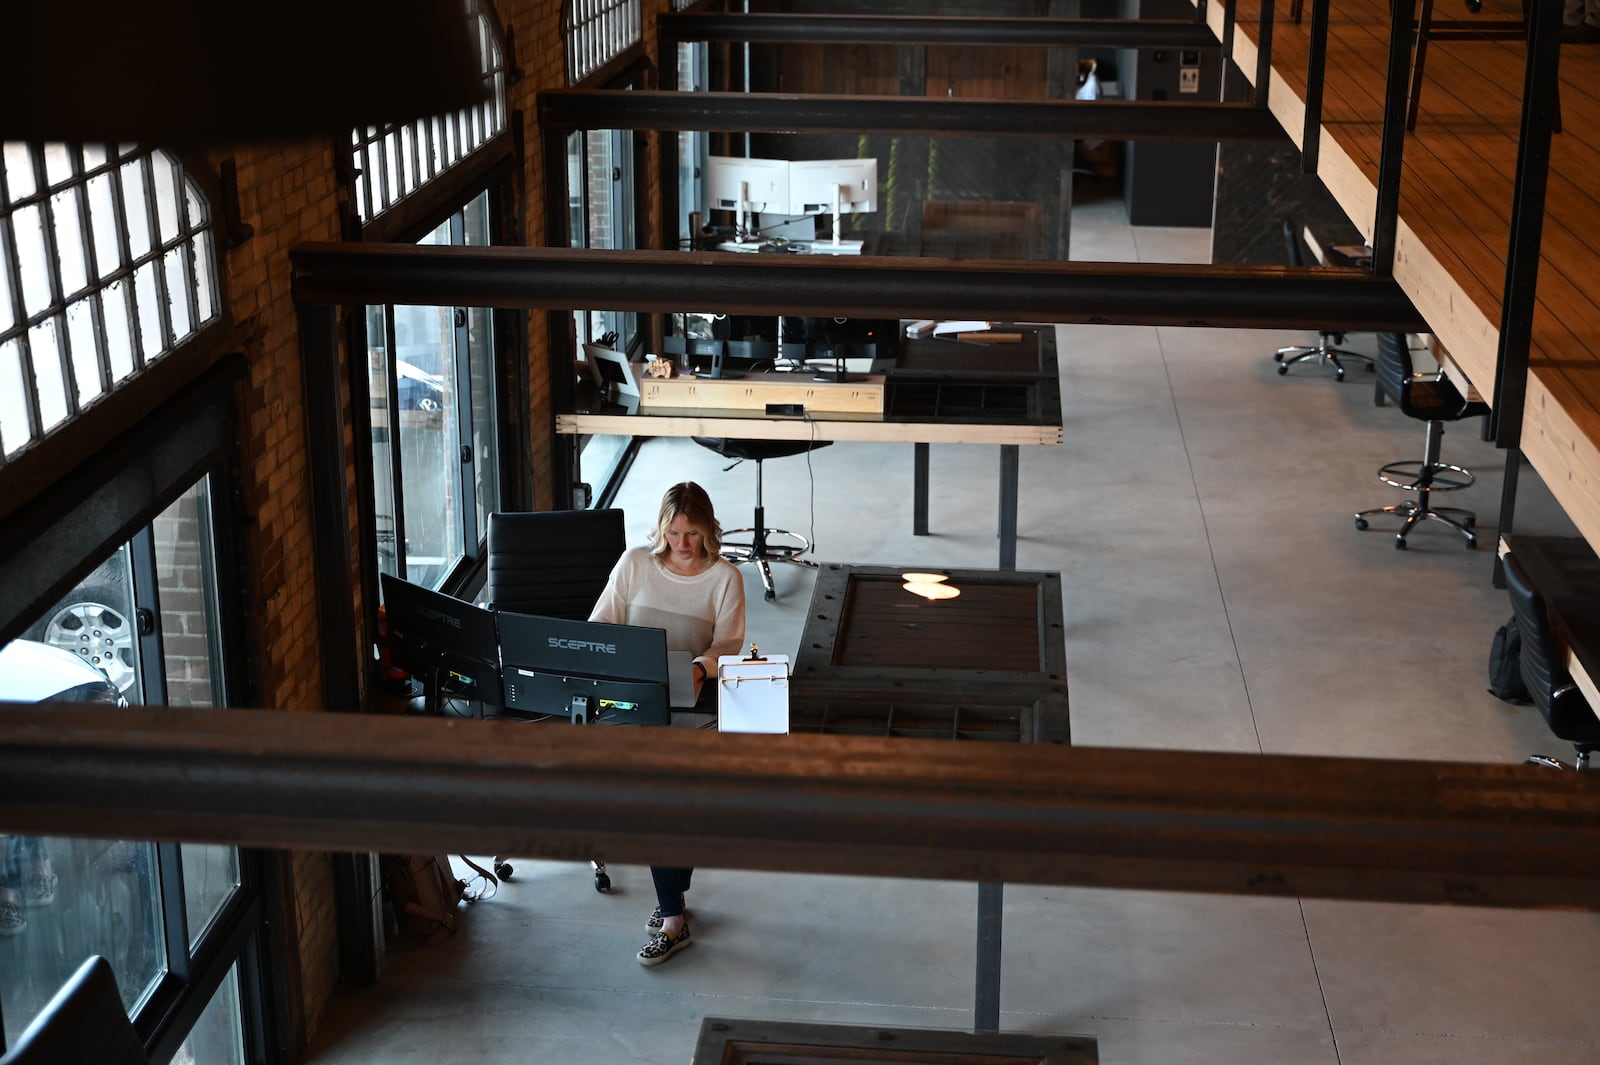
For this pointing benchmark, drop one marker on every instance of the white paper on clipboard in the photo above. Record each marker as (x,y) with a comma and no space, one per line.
(753,694)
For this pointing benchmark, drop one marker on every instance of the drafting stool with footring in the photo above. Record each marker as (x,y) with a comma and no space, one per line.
(1433,399)
(760,547)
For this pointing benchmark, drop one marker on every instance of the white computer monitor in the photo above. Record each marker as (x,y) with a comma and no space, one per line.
(833,186)
(746,185)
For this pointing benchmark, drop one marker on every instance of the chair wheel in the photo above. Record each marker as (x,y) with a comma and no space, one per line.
(1472,545)
(1361,523)
(770,596)
(1338,375)
(602,883)
(1283,368)
(1399,543)
(1277,356)
(1372,368)
(503,870)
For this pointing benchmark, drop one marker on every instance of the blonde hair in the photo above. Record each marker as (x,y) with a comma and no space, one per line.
(689,500)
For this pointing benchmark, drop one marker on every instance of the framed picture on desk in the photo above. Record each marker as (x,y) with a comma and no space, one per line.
(611,370)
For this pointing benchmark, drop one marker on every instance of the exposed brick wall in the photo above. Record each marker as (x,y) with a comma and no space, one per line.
(287,193)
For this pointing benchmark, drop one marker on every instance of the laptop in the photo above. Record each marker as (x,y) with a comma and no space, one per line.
(680,679)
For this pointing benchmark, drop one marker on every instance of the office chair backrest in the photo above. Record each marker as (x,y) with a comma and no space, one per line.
(1542,669)
(552,562)
(84,1024)
(1394,367)
(1296,255)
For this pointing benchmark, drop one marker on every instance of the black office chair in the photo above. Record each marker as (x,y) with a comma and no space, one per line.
(1565,709)
(760,548)
(555,563)
(1433,399)
(84,1024)
(1327,351)
(552,562)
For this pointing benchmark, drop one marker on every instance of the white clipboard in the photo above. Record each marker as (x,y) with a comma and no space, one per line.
(753,694)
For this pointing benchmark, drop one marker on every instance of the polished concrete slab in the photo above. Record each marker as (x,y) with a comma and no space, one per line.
(1217,597)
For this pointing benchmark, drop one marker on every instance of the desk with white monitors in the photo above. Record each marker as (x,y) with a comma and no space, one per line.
(793,191)
(939,391)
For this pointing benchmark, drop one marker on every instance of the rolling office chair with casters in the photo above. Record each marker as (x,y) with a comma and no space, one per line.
(1563,706)
(1326,351)
(760,548)
(1433,399)
(555,563)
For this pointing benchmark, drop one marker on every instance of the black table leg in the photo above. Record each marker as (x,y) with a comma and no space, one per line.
(919,489)
(1010,461)
(986,997)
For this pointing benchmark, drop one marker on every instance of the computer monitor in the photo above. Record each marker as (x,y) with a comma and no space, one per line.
(834,187)
(448,643)
(746,185)
(586,670)
(712,358)
(833,340)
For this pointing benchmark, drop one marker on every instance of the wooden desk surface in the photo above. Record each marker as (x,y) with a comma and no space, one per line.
(940,392)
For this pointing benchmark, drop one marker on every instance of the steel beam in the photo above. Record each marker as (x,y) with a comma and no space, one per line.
(567,110)
(867,286)
(1250,824)
(934,30)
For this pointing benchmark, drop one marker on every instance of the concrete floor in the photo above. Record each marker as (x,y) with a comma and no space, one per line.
(1217,597)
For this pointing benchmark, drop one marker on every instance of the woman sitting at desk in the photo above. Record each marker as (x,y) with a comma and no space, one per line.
(682,584)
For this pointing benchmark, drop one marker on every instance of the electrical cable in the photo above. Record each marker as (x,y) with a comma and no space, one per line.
(811,477)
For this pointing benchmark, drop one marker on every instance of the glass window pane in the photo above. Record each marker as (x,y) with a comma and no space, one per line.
(57,164)
(103,221)
(146,299)
(382,440)
(70,249)
(166,197)
(205,280)
(391,162)
(46,352)
(119,335)
(13,407)
(8,313)
(133,202)
(94,155)
(177,290)
(85,363)
(217,1038)
(186,579)
(485,450)
(88,897)
(430,444)
(19,171)
(28,229)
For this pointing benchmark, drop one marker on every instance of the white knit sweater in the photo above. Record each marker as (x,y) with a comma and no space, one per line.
(703,614)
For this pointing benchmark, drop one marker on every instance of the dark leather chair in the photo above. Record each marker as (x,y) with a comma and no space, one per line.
(552,562)
(1433,399)
(1326,351)
(760,547)
(84,1024)
(1565,710)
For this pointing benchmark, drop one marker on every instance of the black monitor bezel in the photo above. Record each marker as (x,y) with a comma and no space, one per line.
(537,675)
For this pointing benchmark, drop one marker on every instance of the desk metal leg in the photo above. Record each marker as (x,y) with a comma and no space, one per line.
(986,997)
(1010,462)
(919,489)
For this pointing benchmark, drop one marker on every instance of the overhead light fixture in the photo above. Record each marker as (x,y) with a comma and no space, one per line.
(924,578)
(196,72)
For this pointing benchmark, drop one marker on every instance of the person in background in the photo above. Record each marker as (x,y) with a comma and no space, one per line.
(680,583)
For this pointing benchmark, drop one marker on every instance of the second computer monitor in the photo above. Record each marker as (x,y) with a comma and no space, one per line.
(587,670)
(446,642)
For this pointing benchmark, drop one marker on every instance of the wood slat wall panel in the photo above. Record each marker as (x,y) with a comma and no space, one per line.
(1456,202)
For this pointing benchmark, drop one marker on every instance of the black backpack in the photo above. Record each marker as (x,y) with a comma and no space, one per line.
(1505,664)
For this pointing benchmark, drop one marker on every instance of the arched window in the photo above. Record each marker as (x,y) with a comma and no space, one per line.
(106,264)
(598,31)
(393,161)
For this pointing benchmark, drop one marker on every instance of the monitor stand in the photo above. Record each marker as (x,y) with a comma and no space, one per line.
(719,370)
(838,375)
